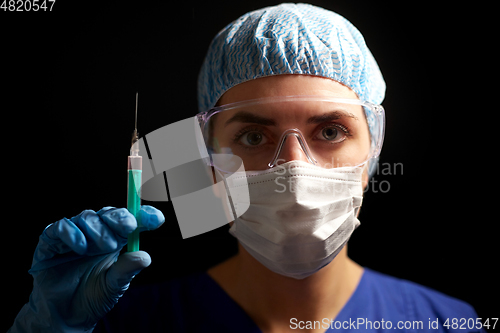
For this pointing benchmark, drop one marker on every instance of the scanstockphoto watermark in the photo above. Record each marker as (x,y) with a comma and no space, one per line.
(375,184)
(465,324)
(355,324)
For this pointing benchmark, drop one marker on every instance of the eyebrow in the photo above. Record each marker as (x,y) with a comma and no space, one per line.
(248,117)
(329,116)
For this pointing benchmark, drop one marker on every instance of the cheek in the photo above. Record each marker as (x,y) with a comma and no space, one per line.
(361,147)
(365,140)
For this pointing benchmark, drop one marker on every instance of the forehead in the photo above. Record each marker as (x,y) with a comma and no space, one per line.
(291,112)
(286,85)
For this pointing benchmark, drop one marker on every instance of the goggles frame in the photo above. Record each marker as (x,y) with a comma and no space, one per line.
(375,117)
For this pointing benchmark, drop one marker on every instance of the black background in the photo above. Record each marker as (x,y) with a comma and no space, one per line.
(69,79)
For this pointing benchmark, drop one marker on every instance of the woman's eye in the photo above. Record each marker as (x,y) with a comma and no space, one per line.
(332,134)
(252,138)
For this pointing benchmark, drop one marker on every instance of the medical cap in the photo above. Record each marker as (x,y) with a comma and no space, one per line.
(289,39)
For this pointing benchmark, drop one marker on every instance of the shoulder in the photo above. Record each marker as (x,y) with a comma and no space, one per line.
(419,302)
(420,295)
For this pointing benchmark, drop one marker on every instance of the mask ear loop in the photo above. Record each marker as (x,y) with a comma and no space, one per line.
(295,132)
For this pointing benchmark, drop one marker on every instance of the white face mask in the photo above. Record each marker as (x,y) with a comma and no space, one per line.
(300,215)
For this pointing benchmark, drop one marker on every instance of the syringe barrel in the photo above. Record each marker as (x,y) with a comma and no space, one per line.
(134,197)
(134,163)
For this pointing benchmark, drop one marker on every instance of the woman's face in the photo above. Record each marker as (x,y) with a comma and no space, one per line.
(337,135)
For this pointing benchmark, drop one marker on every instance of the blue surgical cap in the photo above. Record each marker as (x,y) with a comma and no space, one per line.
(289,39)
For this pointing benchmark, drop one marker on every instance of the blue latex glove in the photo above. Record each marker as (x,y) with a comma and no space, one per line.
(77,277)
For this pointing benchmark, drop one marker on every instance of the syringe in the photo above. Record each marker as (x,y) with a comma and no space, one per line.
(134,184)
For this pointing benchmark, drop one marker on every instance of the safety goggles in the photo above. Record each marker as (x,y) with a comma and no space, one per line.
(324,131)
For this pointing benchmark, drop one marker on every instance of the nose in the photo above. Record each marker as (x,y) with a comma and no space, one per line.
(292,147)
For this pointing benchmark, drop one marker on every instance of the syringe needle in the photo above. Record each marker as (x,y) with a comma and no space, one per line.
(134,184)
(135,135)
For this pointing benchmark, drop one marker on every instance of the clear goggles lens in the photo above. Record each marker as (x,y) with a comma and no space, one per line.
(324,131)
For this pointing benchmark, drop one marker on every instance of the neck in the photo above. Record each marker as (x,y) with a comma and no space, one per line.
(262,293)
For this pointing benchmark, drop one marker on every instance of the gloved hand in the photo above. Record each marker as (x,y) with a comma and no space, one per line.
(77,277)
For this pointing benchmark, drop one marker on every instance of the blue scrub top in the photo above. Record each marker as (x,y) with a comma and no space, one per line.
(197,303)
